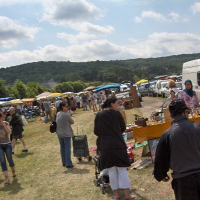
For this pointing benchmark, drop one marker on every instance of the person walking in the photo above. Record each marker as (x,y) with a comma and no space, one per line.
(47,108)
(84,101)
(6,149)
(173,90)
(17,129)
(109,126)
(179,150)
(64,133)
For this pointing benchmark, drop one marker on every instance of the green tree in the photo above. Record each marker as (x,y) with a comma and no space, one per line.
(3,90)
(78,86)
(19,89)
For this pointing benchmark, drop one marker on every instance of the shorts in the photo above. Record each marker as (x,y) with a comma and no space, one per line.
(17,136)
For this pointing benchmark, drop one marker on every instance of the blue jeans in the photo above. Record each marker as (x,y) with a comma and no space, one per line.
(84,104)
(6,150)
(65,151)
(46,116)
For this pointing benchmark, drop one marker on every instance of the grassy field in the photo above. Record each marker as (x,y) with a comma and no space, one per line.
(42,176)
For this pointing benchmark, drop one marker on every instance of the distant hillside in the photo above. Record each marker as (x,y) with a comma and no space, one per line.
(113,71)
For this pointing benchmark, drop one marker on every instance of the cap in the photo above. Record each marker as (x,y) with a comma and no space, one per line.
(177,107)
(11,108)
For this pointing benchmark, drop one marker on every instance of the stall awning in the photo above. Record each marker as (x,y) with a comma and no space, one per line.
(107,87)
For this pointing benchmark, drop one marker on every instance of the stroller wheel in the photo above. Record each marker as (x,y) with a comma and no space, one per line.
(102,189)
(89,158)
(79,159)
(96,183)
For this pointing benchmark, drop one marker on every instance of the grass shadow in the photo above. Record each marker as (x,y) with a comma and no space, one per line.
(24,154)
(12,188)
(76,171)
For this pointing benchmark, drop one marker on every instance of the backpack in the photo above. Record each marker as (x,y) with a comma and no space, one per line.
(53,127)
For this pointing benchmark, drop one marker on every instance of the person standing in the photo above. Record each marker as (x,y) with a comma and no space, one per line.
(173,90)
(47,108)
(5,149)
(189,96)
(84,101)
(109,126)
(78,100)
(179,150)
(17,129)
(64,133)
(57,104)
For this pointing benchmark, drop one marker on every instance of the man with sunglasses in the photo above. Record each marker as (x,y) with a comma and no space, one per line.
(179,150)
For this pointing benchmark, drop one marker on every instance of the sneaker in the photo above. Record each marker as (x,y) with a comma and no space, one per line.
(25,150)
(13,152)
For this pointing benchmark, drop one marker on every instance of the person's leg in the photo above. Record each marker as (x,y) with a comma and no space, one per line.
(24,144)
(13,145)
(113,177)
(83,104)
(186,188)
(62,150)
(67,143)
(46,117)
(124,182)
(8,152)
(3,164)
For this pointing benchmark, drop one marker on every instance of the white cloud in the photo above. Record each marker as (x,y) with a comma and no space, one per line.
(63,12)
(138,19)
(175,16)
(157,44)
(154,15)
(195,7)
(12,32)
(76,38)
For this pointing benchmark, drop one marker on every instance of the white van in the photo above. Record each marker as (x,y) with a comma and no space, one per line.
(160,85)
(191,71)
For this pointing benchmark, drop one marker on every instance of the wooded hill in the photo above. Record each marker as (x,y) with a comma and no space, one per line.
(112,71)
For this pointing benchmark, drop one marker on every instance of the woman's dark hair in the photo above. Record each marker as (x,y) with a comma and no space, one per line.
(108,101)
(61,105)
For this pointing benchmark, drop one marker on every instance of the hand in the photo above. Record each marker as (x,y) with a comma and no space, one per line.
(166,179)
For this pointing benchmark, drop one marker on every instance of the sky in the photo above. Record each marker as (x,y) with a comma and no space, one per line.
(90,30)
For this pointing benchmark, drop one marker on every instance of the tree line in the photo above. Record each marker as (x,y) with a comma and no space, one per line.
(21,90)
(103,71)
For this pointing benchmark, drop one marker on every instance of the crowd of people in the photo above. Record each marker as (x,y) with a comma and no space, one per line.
(178,149)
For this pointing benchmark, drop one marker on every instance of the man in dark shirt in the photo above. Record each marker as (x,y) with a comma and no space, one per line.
(179,150)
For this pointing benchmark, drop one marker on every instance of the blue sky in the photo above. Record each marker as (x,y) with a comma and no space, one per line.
(89,30)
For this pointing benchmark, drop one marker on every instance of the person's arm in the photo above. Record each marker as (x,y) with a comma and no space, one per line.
(172,95)
(162,159)
(121,123)
(71,121)
(6,127)
(96,125)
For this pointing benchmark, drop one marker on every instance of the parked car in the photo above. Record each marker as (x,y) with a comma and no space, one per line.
(144,88)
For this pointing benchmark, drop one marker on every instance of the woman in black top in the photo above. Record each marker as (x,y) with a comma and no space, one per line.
(109,126)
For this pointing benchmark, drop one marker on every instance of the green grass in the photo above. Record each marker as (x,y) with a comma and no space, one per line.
(42,176)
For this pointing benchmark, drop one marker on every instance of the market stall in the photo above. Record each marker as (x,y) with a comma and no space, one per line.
(142,134)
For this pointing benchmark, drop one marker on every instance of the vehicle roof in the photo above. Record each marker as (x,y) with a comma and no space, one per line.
(191,63)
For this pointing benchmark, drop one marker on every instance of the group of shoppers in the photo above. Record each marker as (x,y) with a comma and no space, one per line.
(179,146)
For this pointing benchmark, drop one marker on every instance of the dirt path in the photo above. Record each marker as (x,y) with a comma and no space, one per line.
(148,104)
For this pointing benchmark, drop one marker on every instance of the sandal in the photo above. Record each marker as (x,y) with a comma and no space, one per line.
(6,181)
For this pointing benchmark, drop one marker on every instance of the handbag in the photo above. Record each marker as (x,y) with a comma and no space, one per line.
(53,127)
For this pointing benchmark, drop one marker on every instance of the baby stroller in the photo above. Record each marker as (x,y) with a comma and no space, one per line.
(101,176)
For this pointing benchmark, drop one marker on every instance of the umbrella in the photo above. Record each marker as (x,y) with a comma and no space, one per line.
(90,88)
(66,94)
(16,101)
(5,103)
(28,100)
(43,95)
(54,95)
(141,81)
